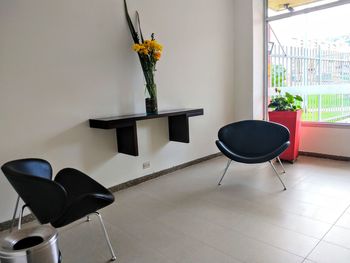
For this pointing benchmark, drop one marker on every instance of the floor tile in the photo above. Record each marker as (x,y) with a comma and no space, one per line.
(329,253)
(234,243)
(185,217)
(86,241)
(339,236)
(344,221)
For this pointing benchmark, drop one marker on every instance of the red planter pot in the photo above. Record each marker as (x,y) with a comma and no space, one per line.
(292,120)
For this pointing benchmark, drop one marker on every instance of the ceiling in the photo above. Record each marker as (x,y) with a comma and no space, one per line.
(279,5)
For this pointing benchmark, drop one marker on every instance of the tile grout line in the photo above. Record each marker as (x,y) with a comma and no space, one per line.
(177,231)
(282,227)
(333,225)
(221,226)
(266,221)
(237,231)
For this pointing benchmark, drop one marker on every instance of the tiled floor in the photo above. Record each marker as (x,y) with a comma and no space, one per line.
(185,217)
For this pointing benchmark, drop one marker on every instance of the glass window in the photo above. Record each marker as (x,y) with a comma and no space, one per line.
(309,55)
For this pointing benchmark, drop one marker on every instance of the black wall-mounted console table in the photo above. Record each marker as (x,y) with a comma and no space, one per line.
(127,131)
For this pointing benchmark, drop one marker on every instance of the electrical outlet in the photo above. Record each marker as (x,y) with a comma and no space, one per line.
(146,165)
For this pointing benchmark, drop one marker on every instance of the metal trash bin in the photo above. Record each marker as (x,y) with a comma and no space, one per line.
(30,245)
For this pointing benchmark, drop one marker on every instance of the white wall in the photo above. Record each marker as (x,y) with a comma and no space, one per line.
(258,59)
(243,58)
(249,58)
(323,140)
(63,62)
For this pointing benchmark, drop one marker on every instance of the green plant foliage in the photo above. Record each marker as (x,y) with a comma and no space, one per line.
(278,76)
(286,102)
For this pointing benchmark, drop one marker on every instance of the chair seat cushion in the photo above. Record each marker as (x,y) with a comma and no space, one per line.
(254,158)
(81,207)
(84,196)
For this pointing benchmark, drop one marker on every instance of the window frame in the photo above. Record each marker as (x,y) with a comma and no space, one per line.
(267,20)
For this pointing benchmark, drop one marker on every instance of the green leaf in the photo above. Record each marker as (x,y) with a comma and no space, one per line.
(298,98)
(139,26)
(133,32)
(272,105)
(143,59)
(286,102)
(289,97)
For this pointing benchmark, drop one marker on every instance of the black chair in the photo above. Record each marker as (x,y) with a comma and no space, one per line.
(253,141)
(72,195)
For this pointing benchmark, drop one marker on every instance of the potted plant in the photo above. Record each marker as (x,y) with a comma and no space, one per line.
(287,111)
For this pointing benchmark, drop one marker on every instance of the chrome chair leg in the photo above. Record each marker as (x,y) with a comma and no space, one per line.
(279,160)
(21,216)
(274,168)
(227,166)
(14,214)
(106,236)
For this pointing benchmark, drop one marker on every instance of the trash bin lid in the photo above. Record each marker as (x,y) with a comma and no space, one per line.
(28,239)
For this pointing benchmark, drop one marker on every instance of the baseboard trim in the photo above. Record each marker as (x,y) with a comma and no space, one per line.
(29,218)
(149,177)
(325,156)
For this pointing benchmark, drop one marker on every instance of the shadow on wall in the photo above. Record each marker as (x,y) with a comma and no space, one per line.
(91,147)
(153,136)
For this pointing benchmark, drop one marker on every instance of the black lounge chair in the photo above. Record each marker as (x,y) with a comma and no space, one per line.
(72,195)
(253,141)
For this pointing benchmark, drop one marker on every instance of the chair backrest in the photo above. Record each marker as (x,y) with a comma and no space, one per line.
(32,180)
(253,137)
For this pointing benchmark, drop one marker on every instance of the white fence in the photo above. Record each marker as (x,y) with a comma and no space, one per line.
(299,66)
(321,77)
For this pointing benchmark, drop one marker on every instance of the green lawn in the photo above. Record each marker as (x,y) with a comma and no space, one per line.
(332,103)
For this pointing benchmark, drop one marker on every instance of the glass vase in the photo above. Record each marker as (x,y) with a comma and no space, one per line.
(151,99)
